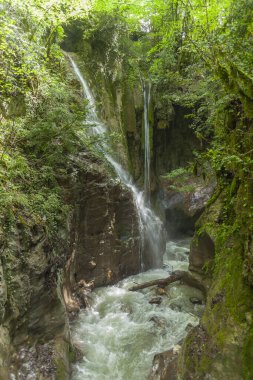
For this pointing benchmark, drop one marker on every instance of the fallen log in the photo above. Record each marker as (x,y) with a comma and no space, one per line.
(179,275)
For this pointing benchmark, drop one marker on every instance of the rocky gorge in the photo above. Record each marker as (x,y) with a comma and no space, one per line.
(44,284)
(126,191)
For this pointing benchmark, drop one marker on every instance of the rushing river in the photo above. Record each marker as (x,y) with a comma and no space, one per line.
(121,332)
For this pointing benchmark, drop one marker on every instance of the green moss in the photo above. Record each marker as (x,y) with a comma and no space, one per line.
(72,354)
(248,356)
(228,312)
(61,359)
(60,371)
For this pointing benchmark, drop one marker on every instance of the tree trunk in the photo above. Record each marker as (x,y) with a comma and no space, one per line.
(182,276)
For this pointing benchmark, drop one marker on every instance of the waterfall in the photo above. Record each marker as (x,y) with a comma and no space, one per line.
(151,227)
(146,94)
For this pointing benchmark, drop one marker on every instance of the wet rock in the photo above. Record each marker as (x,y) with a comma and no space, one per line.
(77,352)
(82,293)
(126,309)
(201,252)
(33,363)
(202,249)
(175,306)
(189,327)
(161,291)
(156,300)
(174,141)
(159,321)
(196,301)
(194,347)
(165,365)
(184,206)
(73,309)
(100,242)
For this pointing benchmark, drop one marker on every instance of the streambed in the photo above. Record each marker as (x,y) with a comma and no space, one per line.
(121,332)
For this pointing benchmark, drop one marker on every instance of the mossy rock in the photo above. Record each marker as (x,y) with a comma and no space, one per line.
(61,359)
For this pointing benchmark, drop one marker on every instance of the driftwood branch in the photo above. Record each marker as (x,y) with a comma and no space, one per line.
(182,276)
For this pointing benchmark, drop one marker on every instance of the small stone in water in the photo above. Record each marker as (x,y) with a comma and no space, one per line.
(126,309)
(156,300)
(175,307)
(161,291)
(177,347)
(196,301)
(159,321)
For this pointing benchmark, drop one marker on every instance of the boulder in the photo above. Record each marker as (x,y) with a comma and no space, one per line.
(155,300)
(184,199)
(165,365)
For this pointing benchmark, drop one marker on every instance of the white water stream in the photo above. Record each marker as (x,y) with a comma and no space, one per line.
(121,332)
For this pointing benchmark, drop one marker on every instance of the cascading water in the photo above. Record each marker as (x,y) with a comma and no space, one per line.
(146,95)
(122,331)
(150,224)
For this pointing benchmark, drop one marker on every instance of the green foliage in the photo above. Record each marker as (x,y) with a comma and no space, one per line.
(197,53)
(248,355)
(53,123)
(30,33)
(41,113)
(176,173)
(35,150)
(180,179)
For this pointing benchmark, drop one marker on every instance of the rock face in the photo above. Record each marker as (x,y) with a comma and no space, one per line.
(32,310)
(174,140)
(100,243)
(201,252)
(105,238)
(221,346)
(184,199)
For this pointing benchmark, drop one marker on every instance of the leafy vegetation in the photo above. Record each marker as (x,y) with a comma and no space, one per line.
(197,54)
(180,179)
(41,114)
